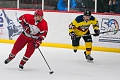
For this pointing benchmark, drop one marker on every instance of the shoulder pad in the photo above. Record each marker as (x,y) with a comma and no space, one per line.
(79,18)
(92,18)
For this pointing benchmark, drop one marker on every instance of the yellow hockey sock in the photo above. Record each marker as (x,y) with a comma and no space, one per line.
(88,47)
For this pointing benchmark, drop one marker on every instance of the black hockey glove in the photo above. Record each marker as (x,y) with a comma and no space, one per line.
(25,24)
(97,32)
(73,35)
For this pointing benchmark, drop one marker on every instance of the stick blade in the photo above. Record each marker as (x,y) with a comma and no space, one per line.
(51,72)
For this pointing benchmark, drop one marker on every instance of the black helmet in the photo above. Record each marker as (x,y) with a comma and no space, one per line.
(87,13)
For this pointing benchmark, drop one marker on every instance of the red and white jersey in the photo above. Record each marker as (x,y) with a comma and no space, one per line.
(35,29)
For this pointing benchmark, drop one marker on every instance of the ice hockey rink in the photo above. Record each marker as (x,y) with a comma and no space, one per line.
(66,65)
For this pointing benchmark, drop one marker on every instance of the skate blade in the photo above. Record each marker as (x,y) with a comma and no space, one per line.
(20,69)
(90,61)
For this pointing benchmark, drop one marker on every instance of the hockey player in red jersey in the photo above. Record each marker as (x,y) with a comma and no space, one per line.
(35,31)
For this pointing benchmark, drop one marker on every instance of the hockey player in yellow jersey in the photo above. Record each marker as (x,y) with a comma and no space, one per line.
(79,27)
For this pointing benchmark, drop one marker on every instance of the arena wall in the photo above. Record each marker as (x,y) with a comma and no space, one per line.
(58,23)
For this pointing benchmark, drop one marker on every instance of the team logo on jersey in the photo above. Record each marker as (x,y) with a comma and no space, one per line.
(84,27)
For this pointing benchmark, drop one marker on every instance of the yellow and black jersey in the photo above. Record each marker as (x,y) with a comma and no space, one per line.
(80,27)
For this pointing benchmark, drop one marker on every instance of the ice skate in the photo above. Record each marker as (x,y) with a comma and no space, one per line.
(75,50)
(23,61)
(7,61)
(21,67)
(88,57)
(11,56)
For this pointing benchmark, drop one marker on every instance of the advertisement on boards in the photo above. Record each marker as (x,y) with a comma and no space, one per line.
(9,25)
(58,27)
(111,27)
(1,25)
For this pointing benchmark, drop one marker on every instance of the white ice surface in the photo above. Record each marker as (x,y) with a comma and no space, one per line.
(66,65)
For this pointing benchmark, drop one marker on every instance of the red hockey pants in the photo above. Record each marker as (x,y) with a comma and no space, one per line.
(21,42)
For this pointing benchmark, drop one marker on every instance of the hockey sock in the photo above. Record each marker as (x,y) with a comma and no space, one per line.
(24,60)
(88,47)
(11,56)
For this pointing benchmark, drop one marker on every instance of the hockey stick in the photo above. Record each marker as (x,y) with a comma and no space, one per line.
(45,61)
(44,58)
(41,53)
(100,33)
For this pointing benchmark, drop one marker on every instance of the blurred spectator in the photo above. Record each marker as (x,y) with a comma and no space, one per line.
(73,4)
(105,3)
(62,5)
(114,6)
(81,6)
(79,1)
(89,5)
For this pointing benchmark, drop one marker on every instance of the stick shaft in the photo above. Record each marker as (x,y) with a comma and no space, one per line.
(100,33)
(44,58)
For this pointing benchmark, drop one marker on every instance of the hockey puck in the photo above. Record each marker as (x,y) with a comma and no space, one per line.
(51,72)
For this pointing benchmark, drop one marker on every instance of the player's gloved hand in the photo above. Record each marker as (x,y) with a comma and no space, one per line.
(97,32)
(37,43)
(73,35)
(25,24)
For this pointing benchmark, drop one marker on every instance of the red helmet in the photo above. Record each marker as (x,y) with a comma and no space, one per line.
(38,12)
